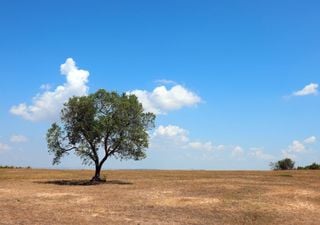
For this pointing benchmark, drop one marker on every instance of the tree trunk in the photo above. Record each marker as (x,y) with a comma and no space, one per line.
(96,177)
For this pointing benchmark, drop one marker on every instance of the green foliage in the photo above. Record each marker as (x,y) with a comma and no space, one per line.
(313,166)
(284,164)
(107,121)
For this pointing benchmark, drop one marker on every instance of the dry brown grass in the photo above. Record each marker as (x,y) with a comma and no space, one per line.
(160,197)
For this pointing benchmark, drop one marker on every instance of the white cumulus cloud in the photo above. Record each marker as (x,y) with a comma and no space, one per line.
(296,146)
(172,132)
(162,100)
(47,105)
(310,89)
(18,138)
(310,140)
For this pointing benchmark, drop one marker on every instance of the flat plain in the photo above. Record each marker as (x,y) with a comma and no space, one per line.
(34,196)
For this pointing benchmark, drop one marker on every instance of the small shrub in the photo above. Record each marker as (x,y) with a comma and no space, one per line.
(14,167)
(285,175)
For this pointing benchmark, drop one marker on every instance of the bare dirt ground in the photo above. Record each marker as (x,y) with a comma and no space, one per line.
(160,197)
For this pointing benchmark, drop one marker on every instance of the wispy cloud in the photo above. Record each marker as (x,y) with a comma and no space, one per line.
(45,87)
(207,146)
(177,137)
(237,151)
(310,89)
(18,139)
(4,147)
(310,140)
(259,153)
(165,82)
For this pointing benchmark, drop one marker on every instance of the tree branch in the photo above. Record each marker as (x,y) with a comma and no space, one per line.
(106,150)
(69,149)
(115,149)
(95,156)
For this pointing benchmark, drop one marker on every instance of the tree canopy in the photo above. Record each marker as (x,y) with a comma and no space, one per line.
(101,125)
(284,164)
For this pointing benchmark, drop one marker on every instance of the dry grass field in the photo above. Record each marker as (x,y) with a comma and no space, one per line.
(160,197)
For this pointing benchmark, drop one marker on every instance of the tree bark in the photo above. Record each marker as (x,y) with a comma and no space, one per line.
(96,177)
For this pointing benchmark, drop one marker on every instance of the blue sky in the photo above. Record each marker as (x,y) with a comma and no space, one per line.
(241,77)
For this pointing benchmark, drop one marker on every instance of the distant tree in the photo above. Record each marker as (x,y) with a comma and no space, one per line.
(99,126)
(284,164)
(313,166)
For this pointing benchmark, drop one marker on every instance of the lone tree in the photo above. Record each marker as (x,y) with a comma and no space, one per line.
(284,164)
(99,126)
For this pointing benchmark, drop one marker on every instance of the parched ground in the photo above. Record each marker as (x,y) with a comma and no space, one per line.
(160,197)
